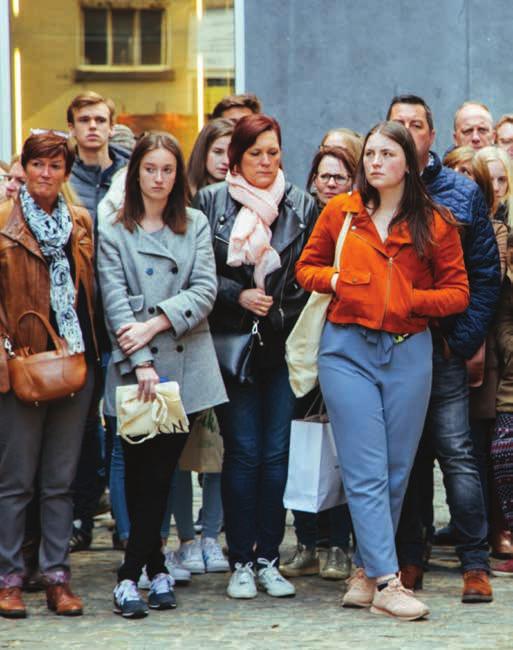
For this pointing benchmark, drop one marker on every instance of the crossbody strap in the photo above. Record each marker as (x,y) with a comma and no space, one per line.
(341,239)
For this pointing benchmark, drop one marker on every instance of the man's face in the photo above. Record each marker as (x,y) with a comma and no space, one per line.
(91,128)
(473,127)
(505,138)
(413,117)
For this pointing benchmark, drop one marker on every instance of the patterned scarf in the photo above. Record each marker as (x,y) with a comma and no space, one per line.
(250,239)
(52,233)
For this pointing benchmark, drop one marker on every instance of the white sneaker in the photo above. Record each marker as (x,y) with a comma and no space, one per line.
(176,569)
(191,556)
(271,580)
(215,561)
(242,582)
(144,582)
(399,602)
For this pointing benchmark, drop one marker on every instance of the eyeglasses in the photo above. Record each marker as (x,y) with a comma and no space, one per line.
(62,134)
(338,178)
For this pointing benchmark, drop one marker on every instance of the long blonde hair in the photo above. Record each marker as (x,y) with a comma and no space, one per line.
(493,153)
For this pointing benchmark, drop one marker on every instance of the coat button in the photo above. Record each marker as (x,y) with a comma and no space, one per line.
(188,313)
(149,271)
(174,270)
(179,348)
(353,227)
(154,349)
(222,219)
(151,310)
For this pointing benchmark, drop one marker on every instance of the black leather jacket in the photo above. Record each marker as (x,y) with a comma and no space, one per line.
(296,219)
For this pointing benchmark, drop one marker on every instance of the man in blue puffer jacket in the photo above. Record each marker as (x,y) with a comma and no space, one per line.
(447,430)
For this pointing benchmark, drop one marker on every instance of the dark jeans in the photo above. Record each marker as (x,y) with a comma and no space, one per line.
(306,525)
(148,471)
(447,429)
(481,434)
(255,426)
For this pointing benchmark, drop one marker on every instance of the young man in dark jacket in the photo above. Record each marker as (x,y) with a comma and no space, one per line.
(90,120)
(447,430)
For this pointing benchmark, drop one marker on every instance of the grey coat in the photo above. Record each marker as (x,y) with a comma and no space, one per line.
(142,275)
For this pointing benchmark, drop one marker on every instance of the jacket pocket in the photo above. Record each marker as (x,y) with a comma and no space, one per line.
(349,276)
(136,302)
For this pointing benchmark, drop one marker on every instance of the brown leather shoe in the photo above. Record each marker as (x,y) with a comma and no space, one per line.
(502,545)
(412,576)
(62,601)
(11,603)
(476,587)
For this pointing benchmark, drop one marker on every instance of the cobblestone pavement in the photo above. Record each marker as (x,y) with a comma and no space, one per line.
(207,619)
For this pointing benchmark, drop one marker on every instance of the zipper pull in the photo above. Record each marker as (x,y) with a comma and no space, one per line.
(8,348)
(255,332)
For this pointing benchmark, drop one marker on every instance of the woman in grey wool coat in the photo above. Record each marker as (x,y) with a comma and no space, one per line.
(158,281)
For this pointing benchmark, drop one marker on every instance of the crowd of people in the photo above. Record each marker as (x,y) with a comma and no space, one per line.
(142,268)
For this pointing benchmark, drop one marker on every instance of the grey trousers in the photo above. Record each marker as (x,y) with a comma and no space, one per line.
(39,443)
(377,395)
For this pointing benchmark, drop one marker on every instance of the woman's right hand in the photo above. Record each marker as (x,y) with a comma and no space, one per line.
(255,301)
(147,379)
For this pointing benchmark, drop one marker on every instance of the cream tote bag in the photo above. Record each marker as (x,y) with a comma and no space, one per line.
(139,421)
(302,345)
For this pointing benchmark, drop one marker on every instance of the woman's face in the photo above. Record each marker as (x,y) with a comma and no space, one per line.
(384,162)
(44,178)
(15,180)
(217,158)
(332,178)
(499,179)
(157,174)
(260,162)
(465,167)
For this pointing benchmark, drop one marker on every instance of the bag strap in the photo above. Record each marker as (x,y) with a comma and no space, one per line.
(341,239)
(57,342)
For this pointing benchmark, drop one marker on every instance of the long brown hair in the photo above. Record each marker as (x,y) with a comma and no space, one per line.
(175,211)
(345,156)
(416,207)
(197,166)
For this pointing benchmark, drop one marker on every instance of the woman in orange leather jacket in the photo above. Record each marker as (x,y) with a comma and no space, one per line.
(401,265)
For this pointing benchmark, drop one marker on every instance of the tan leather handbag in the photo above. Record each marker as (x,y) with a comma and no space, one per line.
(44,376)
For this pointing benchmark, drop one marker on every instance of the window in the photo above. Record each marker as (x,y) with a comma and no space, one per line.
(123,37)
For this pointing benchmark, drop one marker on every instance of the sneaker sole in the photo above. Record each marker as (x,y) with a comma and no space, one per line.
(162,607)
(132,615)
(217,569)
(502,574)
(246,597)
(334,575)
(264,590)
(353,604)
(298,573)
(384,612)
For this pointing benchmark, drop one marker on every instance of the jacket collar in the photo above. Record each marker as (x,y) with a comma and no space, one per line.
(363,227)
(119,159)
(151,245)
(432,169)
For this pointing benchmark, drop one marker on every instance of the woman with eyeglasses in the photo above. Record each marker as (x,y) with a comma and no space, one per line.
(332,173)
(46,252)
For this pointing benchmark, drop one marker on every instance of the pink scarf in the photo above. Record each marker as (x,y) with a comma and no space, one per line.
(250,239)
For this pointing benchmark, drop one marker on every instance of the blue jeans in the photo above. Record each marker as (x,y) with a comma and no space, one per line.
(255,426)
(447,427)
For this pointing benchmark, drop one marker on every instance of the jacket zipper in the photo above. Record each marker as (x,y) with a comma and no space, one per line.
(280,308)
(389,283)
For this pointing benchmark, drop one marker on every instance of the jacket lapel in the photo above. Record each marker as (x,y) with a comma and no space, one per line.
(16,229)
(150,245)
(363,228)
(289,225)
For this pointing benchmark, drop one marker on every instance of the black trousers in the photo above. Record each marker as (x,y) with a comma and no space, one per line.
(148,471)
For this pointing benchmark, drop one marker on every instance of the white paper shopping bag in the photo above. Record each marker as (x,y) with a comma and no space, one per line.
(313,481)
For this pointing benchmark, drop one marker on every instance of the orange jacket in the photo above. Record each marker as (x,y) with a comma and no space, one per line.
(383,286)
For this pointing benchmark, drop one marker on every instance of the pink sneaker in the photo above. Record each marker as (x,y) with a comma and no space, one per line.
(503,570)
(360,590)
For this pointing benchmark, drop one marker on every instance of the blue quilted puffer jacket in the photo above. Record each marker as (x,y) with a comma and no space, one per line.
(465,333)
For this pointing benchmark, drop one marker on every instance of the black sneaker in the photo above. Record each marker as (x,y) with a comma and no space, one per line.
(79,541)
(127,601)
(161,594)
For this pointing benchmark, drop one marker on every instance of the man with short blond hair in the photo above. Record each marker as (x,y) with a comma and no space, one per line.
(473,125)
(504,133)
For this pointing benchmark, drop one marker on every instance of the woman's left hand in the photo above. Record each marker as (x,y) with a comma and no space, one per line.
(134,336)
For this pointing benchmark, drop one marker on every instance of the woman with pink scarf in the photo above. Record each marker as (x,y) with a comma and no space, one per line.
(260,223)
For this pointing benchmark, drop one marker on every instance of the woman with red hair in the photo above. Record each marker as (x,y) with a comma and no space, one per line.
(260,223)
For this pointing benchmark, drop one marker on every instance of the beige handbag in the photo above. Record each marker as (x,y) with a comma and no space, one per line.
(302,345)
(139,421)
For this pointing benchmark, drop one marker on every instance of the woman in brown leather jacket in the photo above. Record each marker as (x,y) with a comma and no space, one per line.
(46,254)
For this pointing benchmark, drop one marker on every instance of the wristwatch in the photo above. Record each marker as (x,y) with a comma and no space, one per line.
(144,364)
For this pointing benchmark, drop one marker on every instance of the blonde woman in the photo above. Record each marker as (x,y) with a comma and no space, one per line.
(499,166)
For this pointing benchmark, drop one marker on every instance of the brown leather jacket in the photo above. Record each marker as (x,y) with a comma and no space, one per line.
(24,277)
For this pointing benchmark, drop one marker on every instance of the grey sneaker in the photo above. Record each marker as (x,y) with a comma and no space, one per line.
(177,571)
(271,581)
(337,565)
(304,562)
(215,561)
(242,582)
(397,601)
(191,556)
(127,601)
(360,590)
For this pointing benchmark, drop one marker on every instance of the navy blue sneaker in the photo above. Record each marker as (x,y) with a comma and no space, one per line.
(127,601)
(161,594)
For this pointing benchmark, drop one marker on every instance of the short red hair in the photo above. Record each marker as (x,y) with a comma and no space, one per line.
(246,131)
(47,145)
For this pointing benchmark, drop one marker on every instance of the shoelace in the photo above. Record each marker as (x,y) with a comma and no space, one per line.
(358,575)
(213,549)
(126,591)
(269,570)
(397,585)
(161,583)
(244,572)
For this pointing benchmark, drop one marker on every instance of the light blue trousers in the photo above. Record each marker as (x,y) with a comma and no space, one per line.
(376,394)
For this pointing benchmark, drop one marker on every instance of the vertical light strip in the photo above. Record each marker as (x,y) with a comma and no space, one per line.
(16,8)
(18,137)
(199,10)
(200,75)
(6,108)
(240,47)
